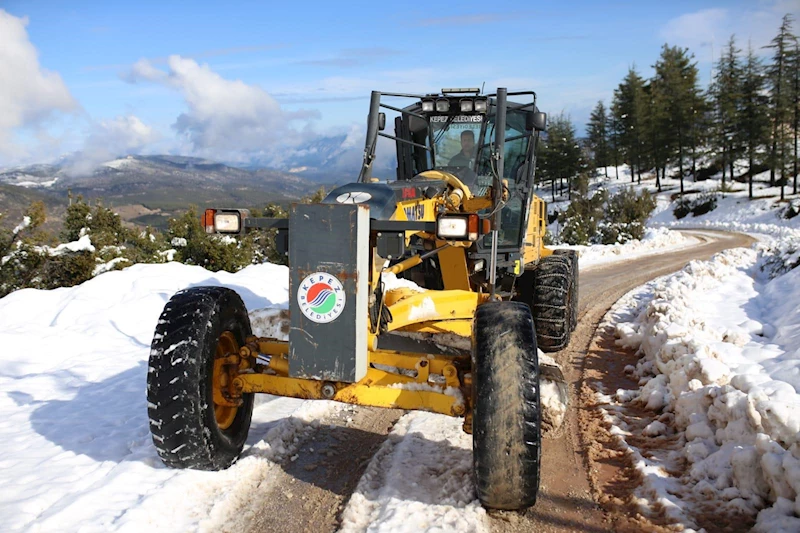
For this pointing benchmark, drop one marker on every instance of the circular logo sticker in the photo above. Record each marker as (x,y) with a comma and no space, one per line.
(354,197)
(321,297)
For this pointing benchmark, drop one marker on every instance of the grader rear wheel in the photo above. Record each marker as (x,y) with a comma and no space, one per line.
(553,302)
(196,419)
(571,256)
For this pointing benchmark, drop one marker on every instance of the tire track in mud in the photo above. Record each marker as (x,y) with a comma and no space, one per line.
(311,488)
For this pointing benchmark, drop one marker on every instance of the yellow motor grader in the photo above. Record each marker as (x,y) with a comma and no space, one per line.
(430,291)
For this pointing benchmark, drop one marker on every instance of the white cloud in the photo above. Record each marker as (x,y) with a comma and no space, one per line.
(226,119)
(707,31)
(112,138)
(28,93)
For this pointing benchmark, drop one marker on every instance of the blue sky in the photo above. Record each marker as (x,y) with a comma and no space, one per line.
(257,79)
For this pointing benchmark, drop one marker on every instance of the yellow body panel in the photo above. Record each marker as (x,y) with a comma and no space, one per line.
(453,264)
(433,306)
(533,245)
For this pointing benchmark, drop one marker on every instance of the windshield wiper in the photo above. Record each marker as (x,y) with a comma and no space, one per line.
(444,128)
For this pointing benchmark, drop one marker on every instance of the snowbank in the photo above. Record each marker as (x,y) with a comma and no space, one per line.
(655,241)
(77,451)
(720,346)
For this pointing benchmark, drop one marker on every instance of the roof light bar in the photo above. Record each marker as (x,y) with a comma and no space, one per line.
(461,90)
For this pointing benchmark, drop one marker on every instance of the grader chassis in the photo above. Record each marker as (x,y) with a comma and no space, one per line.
(430,292)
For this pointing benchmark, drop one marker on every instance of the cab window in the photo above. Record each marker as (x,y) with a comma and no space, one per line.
(514,171)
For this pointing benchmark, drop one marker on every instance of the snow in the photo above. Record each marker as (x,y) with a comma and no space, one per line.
(120,163)
(32,182)
(82,244)
(26,221)
(419,480)
(656,241)
(110,265)
(77,448)
(424,311)
(392,282)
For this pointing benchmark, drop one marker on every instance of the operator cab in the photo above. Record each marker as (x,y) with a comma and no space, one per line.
(455,132)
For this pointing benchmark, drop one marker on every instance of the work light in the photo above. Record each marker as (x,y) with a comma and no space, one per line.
(466,105)
(457,227)
(427,106)
(224,221)
(480,106)
(227,222)
(443,105)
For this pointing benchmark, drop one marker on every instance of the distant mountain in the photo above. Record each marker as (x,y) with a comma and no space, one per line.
(155,186)
(136,175)
(31,176)
(328,159)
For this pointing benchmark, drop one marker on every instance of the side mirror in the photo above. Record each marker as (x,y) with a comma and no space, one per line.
(381,121)
(536,121)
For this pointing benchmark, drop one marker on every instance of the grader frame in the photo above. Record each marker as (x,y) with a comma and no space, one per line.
(454,250)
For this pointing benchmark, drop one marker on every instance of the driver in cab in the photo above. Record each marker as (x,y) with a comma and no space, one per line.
(464,157)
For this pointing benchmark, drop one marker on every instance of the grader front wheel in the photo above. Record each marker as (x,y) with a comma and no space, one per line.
(506,428)
(196,419)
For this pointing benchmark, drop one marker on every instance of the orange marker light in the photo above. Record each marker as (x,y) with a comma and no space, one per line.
(472,227)
(208,220)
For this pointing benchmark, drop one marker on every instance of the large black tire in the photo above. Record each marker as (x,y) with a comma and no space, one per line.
(183,420)
(552,303)
(571,256)
(506,423)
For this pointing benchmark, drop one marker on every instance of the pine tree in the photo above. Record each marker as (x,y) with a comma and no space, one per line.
(560,157)
(726,93)
(597,133)
(655,130)
(698,133)
(613,140)
(753,123)
(627,109)
(794,74)
(780,104)
(675,94)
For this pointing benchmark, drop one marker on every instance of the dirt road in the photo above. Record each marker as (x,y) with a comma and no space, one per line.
(312,492)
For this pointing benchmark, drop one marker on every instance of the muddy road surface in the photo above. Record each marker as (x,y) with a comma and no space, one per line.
(314,488)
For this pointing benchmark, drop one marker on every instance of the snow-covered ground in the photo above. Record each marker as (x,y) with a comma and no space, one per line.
(656,241)
(78,454)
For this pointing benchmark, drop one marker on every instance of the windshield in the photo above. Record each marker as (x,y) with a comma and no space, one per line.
(462,144)
(455,140)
